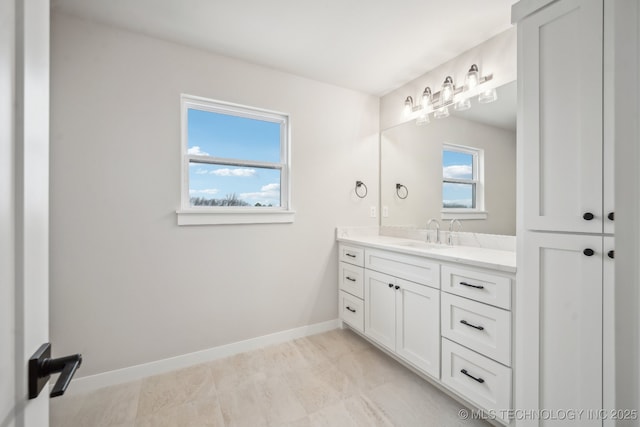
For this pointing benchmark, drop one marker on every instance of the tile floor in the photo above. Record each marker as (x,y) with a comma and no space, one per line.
(334,379)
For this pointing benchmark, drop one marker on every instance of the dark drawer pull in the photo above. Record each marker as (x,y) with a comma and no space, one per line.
(588,216)
(611,216)
(611,254)
(588,252)
(464,371)
(391,285)
(472,286)
(351,279)
(350,255)
(397,287)
(351,309)
(480,328)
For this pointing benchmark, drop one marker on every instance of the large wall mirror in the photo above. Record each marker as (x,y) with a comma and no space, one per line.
(418,183)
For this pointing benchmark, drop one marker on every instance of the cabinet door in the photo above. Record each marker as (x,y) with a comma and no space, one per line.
(418,325)
(560,116)
(380,308)
(559,311)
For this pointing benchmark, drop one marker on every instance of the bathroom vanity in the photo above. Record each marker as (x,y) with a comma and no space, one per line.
(445,311)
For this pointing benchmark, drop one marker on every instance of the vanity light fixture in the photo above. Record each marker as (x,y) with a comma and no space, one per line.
(450,95)
(447,91)
(408,106)
(471,79)
(427,98)
(488,96)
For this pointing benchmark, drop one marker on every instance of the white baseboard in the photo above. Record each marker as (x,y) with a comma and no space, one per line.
(132,373)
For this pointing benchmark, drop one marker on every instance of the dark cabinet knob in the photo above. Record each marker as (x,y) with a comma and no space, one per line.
(391,285)
(588,252)
(588,216)
(610,216)
(611,254)
(397,287)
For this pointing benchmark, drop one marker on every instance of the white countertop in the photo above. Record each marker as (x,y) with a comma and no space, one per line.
(494,259)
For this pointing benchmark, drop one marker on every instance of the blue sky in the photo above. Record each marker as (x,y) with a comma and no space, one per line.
(232,137)
(457,165)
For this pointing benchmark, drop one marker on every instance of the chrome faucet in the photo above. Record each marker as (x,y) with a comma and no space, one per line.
(433,220)
(450,236)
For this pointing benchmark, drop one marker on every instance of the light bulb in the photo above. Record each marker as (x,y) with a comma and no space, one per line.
(426,98)
(446,94)
(423,119)
(471,79)
(463,104)
(488,96)
(441,113)
(408,106)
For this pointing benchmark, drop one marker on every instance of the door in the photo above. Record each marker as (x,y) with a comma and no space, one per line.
(24,214)
(418,325)
(562,318)
(380,308)
(560,69)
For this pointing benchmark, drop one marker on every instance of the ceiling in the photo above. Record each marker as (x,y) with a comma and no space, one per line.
(373,46)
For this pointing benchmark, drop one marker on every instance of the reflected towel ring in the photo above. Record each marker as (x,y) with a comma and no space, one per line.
(399,191)
(366,190)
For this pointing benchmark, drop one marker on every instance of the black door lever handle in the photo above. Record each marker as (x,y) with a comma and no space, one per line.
(41,366)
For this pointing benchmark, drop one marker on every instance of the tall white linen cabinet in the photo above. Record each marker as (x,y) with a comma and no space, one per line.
(565,310)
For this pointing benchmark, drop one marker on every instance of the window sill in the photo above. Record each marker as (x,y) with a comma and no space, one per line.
(465,214)
(208,217)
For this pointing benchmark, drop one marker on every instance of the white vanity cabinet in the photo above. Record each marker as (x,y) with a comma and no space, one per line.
(403,316)
(351,286)
(566,209)
(402,306)
(560,78)
(476,328)
(449,320)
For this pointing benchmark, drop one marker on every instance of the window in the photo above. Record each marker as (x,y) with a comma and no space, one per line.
(462,183)
(235,166)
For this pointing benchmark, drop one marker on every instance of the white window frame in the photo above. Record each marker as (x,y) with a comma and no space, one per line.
(479,211)
(203,215)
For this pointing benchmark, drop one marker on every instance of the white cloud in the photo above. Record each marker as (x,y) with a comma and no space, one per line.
(208,191)
(269,191)
(196,151)
(234,172)
(458,171)
(271,187)
(200,171)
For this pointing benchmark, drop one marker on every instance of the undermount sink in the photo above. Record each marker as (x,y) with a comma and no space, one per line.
(423,245)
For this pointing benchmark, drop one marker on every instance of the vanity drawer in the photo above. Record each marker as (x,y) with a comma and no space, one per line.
(351,279)
(413,268)
(480,327)
(351,310)
(477,285)
(351,255)
(481,380)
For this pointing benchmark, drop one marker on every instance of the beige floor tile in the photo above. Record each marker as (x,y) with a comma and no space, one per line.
(108,406)
(279,403)
(331,379)
(417,403)
(176,388)
(242,407)
(281,358)
(236,371)
(356,411)
(194,414)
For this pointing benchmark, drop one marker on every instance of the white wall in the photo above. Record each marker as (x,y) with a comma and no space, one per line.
(496,55)
(412,155)
(129,286)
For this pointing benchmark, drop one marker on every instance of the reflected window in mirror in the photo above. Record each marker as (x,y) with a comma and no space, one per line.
(462,182)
